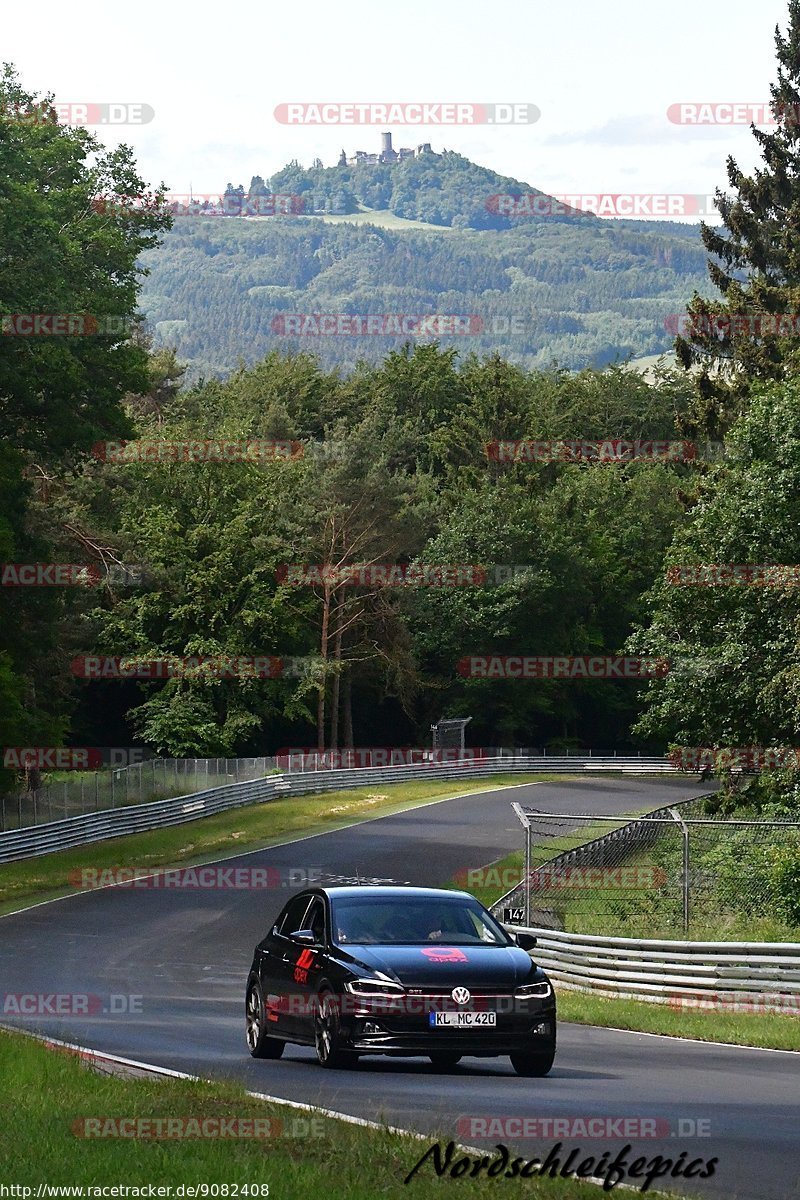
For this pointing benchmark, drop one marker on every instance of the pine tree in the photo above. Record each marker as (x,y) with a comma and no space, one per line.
(753,332)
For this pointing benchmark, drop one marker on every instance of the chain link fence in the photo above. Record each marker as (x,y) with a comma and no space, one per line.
(671,873)
(154,779)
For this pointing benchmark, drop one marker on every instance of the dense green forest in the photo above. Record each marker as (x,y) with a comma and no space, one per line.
(388,463)
(575,293)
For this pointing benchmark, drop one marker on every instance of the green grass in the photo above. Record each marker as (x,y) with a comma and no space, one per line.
(233,832)
(45,1093)
(383,218)
(777,1031)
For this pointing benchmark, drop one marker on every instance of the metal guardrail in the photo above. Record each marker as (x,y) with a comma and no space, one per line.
(162,778)
(97,826)
(733,976)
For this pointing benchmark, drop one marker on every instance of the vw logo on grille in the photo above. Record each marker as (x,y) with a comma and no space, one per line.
(461,995)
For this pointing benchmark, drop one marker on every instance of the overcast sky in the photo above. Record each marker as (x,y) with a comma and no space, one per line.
(603,76)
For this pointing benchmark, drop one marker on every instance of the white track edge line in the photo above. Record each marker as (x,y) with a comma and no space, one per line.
(347,1118)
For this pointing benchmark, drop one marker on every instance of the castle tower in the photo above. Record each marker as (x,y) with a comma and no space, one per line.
(387,154)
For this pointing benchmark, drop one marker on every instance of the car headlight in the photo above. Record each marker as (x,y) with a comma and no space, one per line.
(374,987)
(534,991)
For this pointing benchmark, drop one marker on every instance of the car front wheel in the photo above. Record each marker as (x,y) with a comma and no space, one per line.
(328,1034)
(259,1045)
(533,1062)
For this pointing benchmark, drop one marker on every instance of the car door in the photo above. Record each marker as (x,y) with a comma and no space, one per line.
(278,955)
(309,963)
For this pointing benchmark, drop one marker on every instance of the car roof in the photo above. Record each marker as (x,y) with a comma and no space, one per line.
(346,891)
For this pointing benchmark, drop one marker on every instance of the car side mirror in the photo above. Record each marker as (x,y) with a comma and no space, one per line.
(525,941)
(304,937)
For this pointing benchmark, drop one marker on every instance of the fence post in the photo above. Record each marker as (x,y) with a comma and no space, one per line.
(113,773)
(685,831)
(527,875)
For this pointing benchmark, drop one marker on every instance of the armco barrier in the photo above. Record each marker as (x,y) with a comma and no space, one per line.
(97,826)
(734,976)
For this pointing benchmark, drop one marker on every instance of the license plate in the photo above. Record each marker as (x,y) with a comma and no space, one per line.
(462,1020)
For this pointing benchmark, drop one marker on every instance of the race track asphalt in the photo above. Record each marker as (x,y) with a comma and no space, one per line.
(186,952)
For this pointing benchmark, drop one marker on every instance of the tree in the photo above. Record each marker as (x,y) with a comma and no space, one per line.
(74,220)
(735,649)
(754,262)
(71,242)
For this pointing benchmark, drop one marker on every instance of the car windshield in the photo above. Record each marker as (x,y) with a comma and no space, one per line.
(412,921)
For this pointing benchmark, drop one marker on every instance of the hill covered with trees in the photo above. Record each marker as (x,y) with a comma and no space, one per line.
(576,291)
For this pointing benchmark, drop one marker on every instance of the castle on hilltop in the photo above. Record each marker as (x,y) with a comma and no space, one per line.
(387,154)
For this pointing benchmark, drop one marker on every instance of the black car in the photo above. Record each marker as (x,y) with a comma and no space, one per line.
(401,971)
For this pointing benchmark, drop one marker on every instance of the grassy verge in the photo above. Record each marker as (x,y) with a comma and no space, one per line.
(47,1096)
(776,1031)
(229,833)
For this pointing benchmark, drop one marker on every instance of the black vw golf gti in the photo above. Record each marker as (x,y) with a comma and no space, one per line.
(401,971)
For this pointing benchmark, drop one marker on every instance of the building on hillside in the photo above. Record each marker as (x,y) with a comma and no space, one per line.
(387,156)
